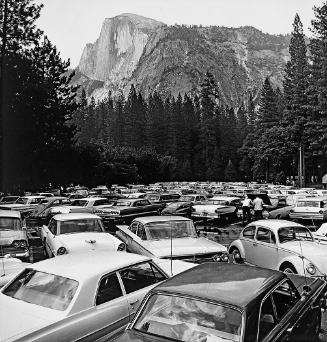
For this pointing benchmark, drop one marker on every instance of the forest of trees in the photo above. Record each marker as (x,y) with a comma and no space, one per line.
(48,136)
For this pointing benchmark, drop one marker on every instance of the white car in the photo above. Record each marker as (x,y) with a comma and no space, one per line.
(170,237)
(281,245)
(89,296)
(321,234)
(310,208)
(24,204)
(77,232)
(81,205)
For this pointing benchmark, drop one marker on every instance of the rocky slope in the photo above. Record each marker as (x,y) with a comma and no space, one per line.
(174,59)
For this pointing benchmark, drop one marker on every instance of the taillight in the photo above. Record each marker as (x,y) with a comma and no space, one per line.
(121,247)
(20,244)
(321,212)
(291,211)
(61,251)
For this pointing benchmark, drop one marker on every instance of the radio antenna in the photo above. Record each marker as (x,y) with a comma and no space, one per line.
(171,247)
(302,258)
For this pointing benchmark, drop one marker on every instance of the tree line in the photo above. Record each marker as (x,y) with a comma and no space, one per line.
(50,136)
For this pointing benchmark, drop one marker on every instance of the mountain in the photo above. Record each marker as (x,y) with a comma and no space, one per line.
(132,49)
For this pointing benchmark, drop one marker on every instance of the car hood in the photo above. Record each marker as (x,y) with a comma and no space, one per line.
(91,241)
(8,236)
(182,247)
(173,267)
(30,317)
(312,251)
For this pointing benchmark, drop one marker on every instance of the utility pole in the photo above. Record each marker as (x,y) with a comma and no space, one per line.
(2,82)
(300,167)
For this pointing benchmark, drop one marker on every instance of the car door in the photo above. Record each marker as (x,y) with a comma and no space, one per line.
(49,233)
(137,280)
(265,251)
(248,242)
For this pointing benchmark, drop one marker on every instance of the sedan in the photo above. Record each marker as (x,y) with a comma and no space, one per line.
(170,237)
(281,245)
(224,302)
(89,296)
(71,233)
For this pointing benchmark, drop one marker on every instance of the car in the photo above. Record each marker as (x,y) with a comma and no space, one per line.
(226,302)
(41,214)
(82,205)
(8,199)
(310,208)
(217,207)
(178,208)
(9,268)
(25,205)
(13,236)
(77,232)
(125,210)
(280,213)
(281,245)
(321,234)
(163,198)
(83,296)
(169,237)
(192,198)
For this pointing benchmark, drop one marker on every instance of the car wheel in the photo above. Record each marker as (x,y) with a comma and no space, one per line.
(288,268)
(237,258)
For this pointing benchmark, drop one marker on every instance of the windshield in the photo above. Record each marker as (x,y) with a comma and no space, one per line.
(186,199)
(168,229)
(43,289)
(80,226)
(311,204)
(189,319)
(22,200)
(286,234)
(79,203)
(9,223)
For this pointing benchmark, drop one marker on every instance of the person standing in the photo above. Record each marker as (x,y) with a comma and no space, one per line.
(246,209)
(258,208)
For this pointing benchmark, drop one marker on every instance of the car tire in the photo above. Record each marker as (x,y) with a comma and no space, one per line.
(237,258)
(288,268)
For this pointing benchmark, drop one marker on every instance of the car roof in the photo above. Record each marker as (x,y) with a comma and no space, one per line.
(149,219)
(89,199)
(276,224)
(10,213)
(224,198)
(316,198)
(32,196)
(82,266)
(231,284)
(75,216)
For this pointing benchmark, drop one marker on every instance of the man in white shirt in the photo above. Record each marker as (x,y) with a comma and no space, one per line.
(246,209)
(258,208)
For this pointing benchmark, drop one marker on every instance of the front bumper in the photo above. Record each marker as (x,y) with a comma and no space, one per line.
(202,258)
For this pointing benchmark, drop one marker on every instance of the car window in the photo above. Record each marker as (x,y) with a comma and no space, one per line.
(266,235)
(267,320)
(133,227)
(145,202)
(141,232)
(285,296)
(137,277)
(109,289)
(53,227)
(101,202)
(249,232)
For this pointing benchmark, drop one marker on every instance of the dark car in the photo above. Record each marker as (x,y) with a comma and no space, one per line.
(164,199)
(178,208)
(8,199)
(228,302)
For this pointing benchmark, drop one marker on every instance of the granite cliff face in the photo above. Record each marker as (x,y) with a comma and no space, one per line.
(174,59)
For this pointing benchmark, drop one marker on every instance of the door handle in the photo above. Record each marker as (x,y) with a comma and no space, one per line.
(135,301)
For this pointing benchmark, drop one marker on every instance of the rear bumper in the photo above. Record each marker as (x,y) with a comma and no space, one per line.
(306,216)
(14,252)
(207,216)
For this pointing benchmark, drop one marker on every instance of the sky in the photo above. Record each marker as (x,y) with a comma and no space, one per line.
(71,24)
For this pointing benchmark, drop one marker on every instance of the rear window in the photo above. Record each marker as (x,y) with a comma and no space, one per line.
(43,289)
(80,226)
(9,223)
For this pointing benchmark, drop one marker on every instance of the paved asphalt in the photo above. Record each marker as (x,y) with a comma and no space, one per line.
(222,233)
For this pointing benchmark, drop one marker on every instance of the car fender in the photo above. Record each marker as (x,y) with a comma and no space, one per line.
(238,244)
(295,260)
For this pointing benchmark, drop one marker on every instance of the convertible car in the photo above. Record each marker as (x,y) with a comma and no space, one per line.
(281,245)
(225,302)
(89,296)
(170,237)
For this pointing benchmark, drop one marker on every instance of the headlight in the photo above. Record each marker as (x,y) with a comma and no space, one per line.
(321,212)
(311,269)
(61,251)
(222,257)
(19,244)
(121,247)
(291,211)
